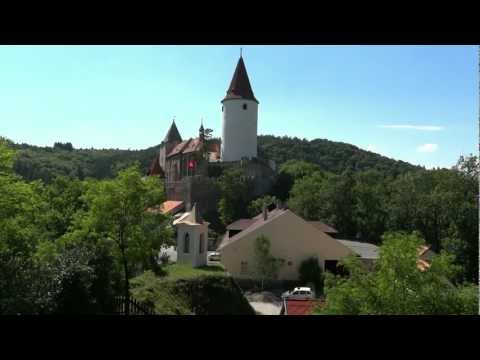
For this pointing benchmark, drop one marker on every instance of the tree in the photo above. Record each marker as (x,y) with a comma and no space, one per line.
(266,266)
(306,196)
(397,286)
(255,207)
(310,272)
(370,211)
(21,210)
(118,212)
(235,189)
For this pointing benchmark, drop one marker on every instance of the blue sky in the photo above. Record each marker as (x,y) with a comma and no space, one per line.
(414,103)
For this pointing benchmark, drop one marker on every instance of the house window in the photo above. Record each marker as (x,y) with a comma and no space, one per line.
(243,267)
(289,263)
(202,244)
(186,244)
(244,106)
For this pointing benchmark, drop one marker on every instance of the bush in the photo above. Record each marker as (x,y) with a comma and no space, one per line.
(311,272)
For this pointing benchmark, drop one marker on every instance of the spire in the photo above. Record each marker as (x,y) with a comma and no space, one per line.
(173,134)
(240,85)
(201,131)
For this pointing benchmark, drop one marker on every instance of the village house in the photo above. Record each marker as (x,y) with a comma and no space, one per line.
(292,239)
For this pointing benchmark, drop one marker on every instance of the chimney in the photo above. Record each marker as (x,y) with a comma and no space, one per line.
(265,212)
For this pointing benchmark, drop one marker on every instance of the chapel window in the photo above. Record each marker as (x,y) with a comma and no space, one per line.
(186,244)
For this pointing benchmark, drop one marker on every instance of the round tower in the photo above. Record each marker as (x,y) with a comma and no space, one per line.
(239,118)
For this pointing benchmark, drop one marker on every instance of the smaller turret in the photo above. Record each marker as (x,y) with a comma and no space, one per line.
(201,132)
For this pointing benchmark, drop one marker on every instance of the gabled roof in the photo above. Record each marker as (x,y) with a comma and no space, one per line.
(240,224)
(171,206)
(187,146)
(364,250)
(323,227)
(257,222)
(240,87)
(173,134)
(155,168)
(191,217)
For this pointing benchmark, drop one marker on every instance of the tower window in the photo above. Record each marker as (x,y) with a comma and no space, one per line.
(244,106)
(222,108)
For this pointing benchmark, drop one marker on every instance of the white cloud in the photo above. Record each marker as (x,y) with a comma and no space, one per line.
(414,127)
(427,148)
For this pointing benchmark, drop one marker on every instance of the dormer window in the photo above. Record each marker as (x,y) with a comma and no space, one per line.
(244,106)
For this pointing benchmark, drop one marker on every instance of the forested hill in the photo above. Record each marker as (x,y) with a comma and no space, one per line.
(329,155)
(34,162)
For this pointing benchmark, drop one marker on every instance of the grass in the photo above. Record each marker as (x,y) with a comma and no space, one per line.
(184,290)
(186,272)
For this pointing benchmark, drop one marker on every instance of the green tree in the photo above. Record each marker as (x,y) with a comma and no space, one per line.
(255,207)
(118,213)
(370,210)
(310,272)
(266,266)
(307,196)
(235,188)
(396,286)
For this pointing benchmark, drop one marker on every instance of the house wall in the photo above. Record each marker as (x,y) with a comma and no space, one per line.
(291,238)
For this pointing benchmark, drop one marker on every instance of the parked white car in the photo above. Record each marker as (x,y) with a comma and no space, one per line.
(299,293)
(214,256)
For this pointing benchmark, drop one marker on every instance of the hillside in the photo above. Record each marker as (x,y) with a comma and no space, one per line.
(331,156)
(34,162)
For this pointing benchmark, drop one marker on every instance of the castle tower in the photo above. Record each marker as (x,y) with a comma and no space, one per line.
(171,139)
(239,118)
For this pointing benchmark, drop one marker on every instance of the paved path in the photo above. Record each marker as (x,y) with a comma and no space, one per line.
(265,303)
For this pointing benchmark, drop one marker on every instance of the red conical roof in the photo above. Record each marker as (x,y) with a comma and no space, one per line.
(240,85)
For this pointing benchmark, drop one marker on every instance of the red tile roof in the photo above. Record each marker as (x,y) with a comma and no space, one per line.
(187,146)
(300,307)
(170,206)
(240,85)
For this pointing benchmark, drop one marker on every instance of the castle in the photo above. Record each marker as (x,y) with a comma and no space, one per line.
(189,166)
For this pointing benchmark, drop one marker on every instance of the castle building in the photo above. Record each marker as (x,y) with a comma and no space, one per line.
(186,165)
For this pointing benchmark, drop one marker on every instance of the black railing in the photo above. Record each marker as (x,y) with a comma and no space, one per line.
(134,307)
